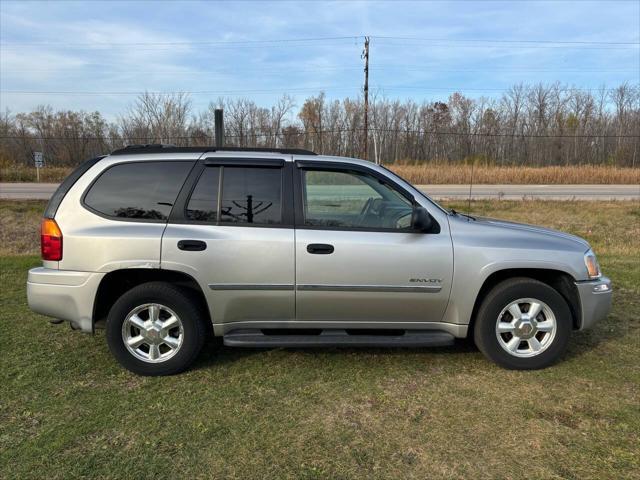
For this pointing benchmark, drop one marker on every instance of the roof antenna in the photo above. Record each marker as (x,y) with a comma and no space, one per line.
(473,162)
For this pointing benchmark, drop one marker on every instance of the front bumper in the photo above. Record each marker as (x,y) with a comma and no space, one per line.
(595,301)
(64,294)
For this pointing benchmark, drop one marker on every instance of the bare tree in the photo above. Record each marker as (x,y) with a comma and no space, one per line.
(543,124)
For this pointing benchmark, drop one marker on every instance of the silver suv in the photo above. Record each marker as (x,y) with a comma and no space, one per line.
(166,246)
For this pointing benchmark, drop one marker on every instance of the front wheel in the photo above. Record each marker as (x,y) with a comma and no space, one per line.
(156,329)
(523,324)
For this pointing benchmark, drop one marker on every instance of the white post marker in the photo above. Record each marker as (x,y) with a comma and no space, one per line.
(38,159)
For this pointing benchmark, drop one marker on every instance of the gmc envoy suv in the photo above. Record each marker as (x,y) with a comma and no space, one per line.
(165,246)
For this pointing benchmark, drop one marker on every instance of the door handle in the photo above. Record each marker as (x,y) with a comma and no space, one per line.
(320,248)
(192,245)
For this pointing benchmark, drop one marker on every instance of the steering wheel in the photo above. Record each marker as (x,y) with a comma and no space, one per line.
(366,210)
(366,207)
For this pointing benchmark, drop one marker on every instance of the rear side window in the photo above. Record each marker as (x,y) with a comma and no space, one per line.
(138,190)
(250,195)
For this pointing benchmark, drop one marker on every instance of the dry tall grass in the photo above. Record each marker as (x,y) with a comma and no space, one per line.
(20,173)
(427,174)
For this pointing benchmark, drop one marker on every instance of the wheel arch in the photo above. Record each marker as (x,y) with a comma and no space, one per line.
(115,283)
(559,280)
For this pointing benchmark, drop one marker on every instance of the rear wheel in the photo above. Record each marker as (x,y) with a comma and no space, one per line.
(156,329)
(523,324)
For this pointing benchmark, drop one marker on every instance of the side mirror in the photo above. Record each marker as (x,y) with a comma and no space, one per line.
(421,221)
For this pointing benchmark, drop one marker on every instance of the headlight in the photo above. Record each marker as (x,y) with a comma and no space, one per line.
(593,269)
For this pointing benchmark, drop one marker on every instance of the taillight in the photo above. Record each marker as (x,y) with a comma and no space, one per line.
(50,240)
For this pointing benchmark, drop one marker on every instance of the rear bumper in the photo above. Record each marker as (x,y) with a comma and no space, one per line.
(595,301)
(64,294)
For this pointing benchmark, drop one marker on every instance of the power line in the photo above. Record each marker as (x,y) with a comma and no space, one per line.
(488,89)
(353,38)
(186,43)
(408,43)
(509,41)
(290,90)
(180,92)
(286,70)
(179,47)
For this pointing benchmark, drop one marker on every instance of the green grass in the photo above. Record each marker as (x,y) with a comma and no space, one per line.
(68,410)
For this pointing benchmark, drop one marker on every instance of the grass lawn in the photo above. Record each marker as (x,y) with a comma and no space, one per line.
(68,410)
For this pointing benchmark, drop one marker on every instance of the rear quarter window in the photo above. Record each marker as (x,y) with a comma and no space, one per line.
(138,190)
(65,186)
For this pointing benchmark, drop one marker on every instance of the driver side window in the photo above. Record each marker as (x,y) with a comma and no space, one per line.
(345,199)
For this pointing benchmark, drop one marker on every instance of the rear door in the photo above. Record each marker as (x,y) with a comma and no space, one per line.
(232,230)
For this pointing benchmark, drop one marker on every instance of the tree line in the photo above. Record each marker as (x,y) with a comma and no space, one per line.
(533,125)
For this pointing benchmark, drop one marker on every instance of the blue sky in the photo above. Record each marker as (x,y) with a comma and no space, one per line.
(438,47)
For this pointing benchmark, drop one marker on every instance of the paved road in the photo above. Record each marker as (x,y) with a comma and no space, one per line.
(25,191)
(547,192)
(21,191)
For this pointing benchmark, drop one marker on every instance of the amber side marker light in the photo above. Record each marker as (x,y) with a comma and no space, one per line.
(593,268)
(50,240)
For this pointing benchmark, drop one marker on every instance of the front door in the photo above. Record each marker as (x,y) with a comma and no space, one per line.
(357,258)
(232,230)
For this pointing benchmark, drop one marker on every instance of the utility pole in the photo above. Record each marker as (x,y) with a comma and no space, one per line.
(365,55)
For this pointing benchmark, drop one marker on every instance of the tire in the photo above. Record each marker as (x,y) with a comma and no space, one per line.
(164,302)
(498,329)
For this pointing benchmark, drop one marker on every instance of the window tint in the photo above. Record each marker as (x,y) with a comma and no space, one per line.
(203,204)
(145,190)
(352,200)
(251,195)
(65,186)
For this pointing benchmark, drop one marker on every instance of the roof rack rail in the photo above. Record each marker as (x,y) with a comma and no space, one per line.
(136,146)
(164,148)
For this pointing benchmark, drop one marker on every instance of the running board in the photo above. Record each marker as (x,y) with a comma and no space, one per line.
(410,338)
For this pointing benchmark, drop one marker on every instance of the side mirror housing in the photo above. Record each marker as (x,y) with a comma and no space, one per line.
(421,221)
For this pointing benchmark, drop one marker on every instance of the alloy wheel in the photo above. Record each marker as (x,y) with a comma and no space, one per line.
(526,327)
(152,333)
